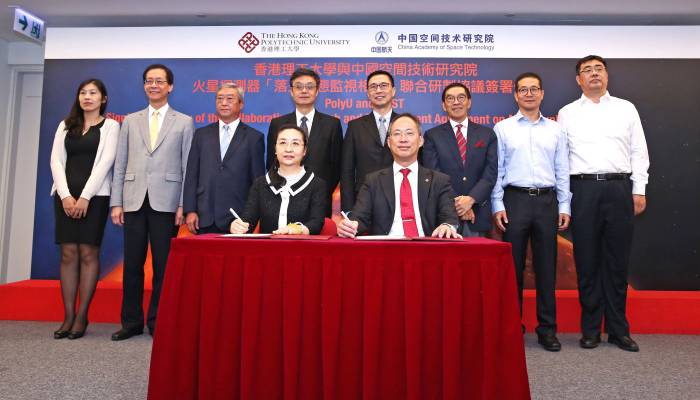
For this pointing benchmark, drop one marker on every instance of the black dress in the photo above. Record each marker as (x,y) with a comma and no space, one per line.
(80,157)
(307,204)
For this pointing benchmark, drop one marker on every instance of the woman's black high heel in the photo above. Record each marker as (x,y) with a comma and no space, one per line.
(60,334)
(77,334)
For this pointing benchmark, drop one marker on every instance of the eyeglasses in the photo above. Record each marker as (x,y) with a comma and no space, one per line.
(451,99)
(376,86)
(397,134)
(523,91)
(227,99)
(159,82)
(300,87)
(589,70)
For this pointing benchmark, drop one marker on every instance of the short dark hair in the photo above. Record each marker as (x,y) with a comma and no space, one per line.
(587,59)
(299,72)
(168,73)
(406,115)
(528,75)
(380,72)
(453,85)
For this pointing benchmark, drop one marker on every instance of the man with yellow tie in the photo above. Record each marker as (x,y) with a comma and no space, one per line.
(147,193)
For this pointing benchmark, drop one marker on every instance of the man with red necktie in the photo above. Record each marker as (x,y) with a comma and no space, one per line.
(404,199)
(468,153)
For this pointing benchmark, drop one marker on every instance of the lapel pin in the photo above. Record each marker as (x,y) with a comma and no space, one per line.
(427,180)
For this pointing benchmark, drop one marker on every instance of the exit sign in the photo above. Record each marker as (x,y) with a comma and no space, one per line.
(28,25)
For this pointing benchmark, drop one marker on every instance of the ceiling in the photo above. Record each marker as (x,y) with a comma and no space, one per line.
(94,13)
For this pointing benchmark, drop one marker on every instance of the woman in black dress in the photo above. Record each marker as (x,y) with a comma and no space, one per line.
(82,157)
(288,199)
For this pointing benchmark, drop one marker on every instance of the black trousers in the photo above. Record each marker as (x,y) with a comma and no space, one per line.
(535,219)
(141,227)
(602,228)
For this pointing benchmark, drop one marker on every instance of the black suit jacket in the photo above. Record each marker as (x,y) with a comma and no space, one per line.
(212,186)
(323,150)
(363,152)
(475,178)
(307,204)
(376,203)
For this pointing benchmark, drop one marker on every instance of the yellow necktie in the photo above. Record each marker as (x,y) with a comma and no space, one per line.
(154,129)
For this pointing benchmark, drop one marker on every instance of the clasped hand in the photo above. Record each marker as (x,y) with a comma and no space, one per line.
(75,208)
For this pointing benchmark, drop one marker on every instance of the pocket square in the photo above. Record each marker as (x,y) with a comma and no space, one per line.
(480,144)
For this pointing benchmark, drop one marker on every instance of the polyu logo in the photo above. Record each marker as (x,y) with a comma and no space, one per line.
(248,42)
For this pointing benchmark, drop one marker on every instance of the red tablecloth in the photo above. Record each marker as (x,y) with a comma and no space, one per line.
(338,319)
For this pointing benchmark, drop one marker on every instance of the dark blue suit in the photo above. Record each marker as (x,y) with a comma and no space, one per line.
(212,186)
(476,177)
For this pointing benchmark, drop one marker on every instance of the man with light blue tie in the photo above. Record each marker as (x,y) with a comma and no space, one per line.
(531,199)
(224,160)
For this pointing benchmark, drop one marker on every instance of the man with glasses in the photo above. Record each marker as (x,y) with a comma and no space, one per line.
(147,193)
(404,199)
(608,160)
(364,146)
(324,132)
(531,199)
(467,152)
(225,158)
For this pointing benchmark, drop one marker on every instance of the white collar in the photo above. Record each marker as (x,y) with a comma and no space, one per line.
(309,116)
(232,125)
(606,97)
(464,124)
(161,111)
(413,167)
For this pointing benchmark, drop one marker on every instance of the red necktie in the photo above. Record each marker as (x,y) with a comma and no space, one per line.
(461,143)
(406,198)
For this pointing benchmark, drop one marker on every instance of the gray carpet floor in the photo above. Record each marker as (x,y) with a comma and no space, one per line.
(35,366)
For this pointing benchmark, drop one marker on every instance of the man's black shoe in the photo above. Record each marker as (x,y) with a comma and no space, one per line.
(589,342)
(125,333)
(549,342)
(624,342)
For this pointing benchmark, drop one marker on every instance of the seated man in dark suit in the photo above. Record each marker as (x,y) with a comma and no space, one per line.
(324,132)
(224,160)
(467,152)
(404,199)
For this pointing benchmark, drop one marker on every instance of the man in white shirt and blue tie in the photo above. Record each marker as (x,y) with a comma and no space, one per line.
(531,198)
(224,160)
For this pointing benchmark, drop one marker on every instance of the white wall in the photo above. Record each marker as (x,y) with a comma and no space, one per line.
(20,85)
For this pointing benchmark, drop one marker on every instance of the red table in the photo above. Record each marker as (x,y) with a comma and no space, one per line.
(338,319)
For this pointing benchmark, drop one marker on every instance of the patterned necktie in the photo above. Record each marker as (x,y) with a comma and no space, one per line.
(154,129)
(304,127)
(382,130)
(461,143)
(225,140)
(408,215)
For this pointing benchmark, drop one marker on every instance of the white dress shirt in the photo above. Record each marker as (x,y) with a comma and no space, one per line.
(606,137)
(161,115)
(397,225)
(309,117)
(232,126)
